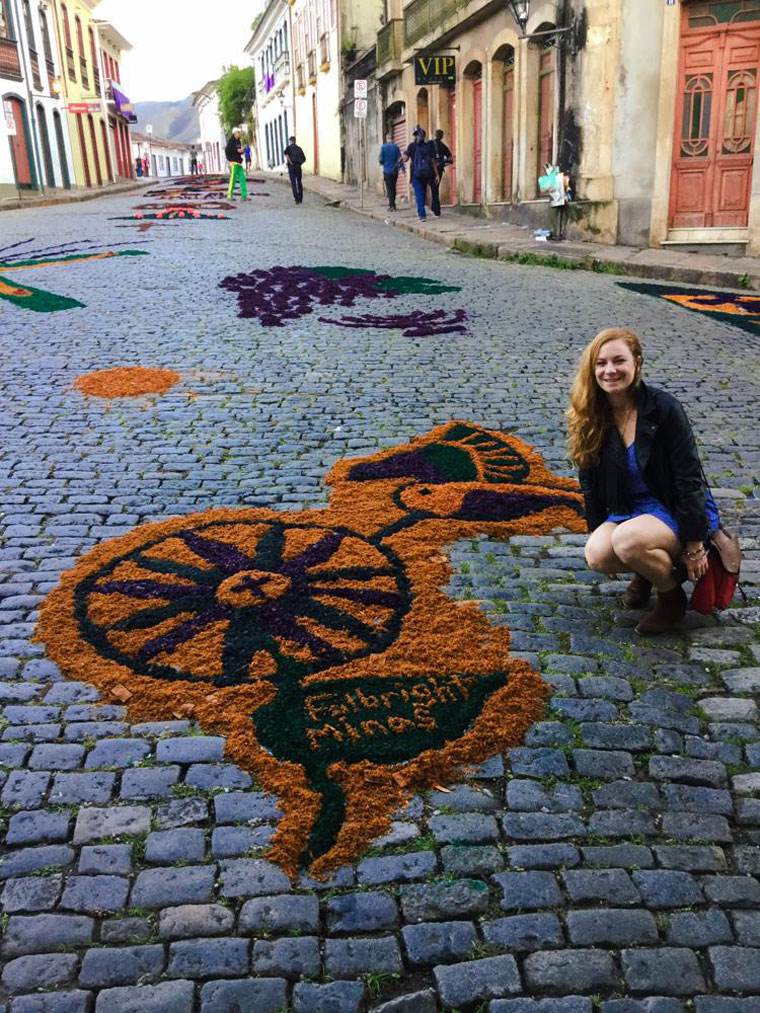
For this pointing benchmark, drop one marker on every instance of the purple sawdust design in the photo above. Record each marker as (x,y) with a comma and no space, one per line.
(412,464)
(412,325)
(288,293)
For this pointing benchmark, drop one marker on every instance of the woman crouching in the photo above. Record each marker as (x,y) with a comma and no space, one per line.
(647,504)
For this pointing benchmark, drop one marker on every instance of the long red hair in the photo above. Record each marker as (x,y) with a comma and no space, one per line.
(589,413)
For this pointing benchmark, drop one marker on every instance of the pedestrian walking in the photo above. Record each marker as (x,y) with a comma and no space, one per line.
(443,157)
(193,161)
(294,159)
(247,155)
(648,506)
(234,155)
(138,167)
(421,154)
(392,161)
(146,166)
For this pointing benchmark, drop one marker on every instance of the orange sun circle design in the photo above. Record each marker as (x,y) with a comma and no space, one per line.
(127,381)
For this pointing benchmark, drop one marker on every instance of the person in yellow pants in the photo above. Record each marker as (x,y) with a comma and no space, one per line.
(234,153)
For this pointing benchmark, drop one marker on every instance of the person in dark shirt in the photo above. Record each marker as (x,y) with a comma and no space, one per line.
(443,157)
(193,161)
(423,169)
(294,159)
(234,154)
(391,160)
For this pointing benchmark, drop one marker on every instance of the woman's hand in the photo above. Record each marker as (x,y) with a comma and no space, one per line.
(695,560)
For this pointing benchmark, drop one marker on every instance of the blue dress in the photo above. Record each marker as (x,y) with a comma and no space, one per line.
(643,501)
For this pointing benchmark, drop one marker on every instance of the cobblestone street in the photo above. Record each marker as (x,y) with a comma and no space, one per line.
(610,864)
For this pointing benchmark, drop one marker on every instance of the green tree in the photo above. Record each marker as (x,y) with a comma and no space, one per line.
(235,89)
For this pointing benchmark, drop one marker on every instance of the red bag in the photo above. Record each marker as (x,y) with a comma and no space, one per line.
(715,590)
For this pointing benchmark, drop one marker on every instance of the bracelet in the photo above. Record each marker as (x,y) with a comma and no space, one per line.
(700,554)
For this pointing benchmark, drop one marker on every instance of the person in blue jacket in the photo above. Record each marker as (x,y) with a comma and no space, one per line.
(391,160)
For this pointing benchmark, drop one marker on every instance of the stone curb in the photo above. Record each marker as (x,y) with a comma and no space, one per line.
(72,198)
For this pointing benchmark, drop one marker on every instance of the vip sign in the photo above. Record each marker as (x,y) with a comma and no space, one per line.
(435,70)
(9,119)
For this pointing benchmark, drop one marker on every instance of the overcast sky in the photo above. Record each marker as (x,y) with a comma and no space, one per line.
(179,45)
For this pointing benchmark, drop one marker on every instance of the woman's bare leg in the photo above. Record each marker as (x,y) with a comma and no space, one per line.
(600,554)
(647,546)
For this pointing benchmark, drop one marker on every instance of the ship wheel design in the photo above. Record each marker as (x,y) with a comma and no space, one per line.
(233,602)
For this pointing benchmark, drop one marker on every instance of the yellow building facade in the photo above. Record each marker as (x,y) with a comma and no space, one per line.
(649,105)
(82,91)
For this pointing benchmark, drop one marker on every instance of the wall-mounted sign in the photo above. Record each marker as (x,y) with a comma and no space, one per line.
(435,70)
(83,108)
(360,108)
(9,118)
(360,88)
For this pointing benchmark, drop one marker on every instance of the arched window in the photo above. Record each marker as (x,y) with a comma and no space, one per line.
(6,25)
(82,55)
(504,92)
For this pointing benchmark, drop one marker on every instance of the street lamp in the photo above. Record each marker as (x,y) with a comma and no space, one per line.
(520,12)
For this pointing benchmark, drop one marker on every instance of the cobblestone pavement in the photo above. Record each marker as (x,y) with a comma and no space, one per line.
(612,863)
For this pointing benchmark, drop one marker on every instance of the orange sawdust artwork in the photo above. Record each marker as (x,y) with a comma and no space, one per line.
(127,381)
(321,643)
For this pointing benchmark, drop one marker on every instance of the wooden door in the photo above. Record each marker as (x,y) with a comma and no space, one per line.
(716,118)
(315,128)
(95,155)
(509,137)
(47,156)
(107,150)
(22,162)
(83,149)
(451,171)
(477,140)
(61,150)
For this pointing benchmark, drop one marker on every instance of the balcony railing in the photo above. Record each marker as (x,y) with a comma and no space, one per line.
(85,75)
(70,65)
(50,66)
(96,79)
(324,52)
(311,59)
(10,65)
(36,79)
(389,43)
(300,78)
(282,67)
(422,17)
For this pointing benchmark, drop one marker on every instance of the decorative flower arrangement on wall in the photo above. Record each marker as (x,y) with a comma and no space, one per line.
(739,310)
(321,642)
(38,300)
(278,294)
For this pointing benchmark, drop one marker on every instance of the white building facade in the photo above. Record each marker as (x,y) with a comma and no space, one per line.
(211,142)
(35,149)
(166,158)
(271,52)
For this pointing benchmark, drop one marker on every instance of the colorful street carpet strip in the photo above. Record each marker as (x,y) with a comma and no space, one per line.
(321,642)
(13,258)
(172,212)
(280,294)
(736,309)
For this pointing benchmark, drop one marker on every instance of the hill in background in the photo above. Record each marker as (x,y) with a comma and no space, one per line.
(174,121)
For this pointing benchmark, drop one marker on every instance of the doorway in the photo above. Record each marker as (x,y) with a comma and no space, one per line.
(19,144)
(716,116)
(58,127)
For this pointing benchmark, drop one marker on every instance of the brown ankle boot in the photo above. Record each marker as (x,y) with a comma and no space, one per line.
(670,608)
(636,595)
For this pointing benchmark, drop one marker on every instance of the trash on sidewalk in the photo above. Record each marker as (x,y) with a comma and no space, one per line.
(541,235)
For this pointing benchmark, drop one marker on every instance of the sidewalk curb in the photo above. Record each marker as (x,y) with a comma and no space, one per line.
(73,198)
(553,256)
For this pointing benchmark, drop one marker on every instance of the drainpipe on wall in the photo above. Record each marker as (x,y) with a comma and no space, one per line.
(30,99)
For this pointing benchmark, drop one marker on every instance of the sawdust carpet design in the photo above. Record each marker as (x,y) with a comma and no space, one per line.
(321,642)
(126,381)
(275,295)
(36,299)
(739,310)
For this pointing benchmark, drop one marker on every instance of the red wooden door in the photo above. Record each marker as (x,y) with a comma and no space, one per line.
(716,117)
(19,150)
(315,128)
(509,138)
(451,171)
(95,155)
(83,149)
(477,141)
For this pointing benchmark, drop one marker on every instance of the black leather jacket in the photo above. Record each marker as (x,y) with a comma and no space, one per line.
(669,461)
